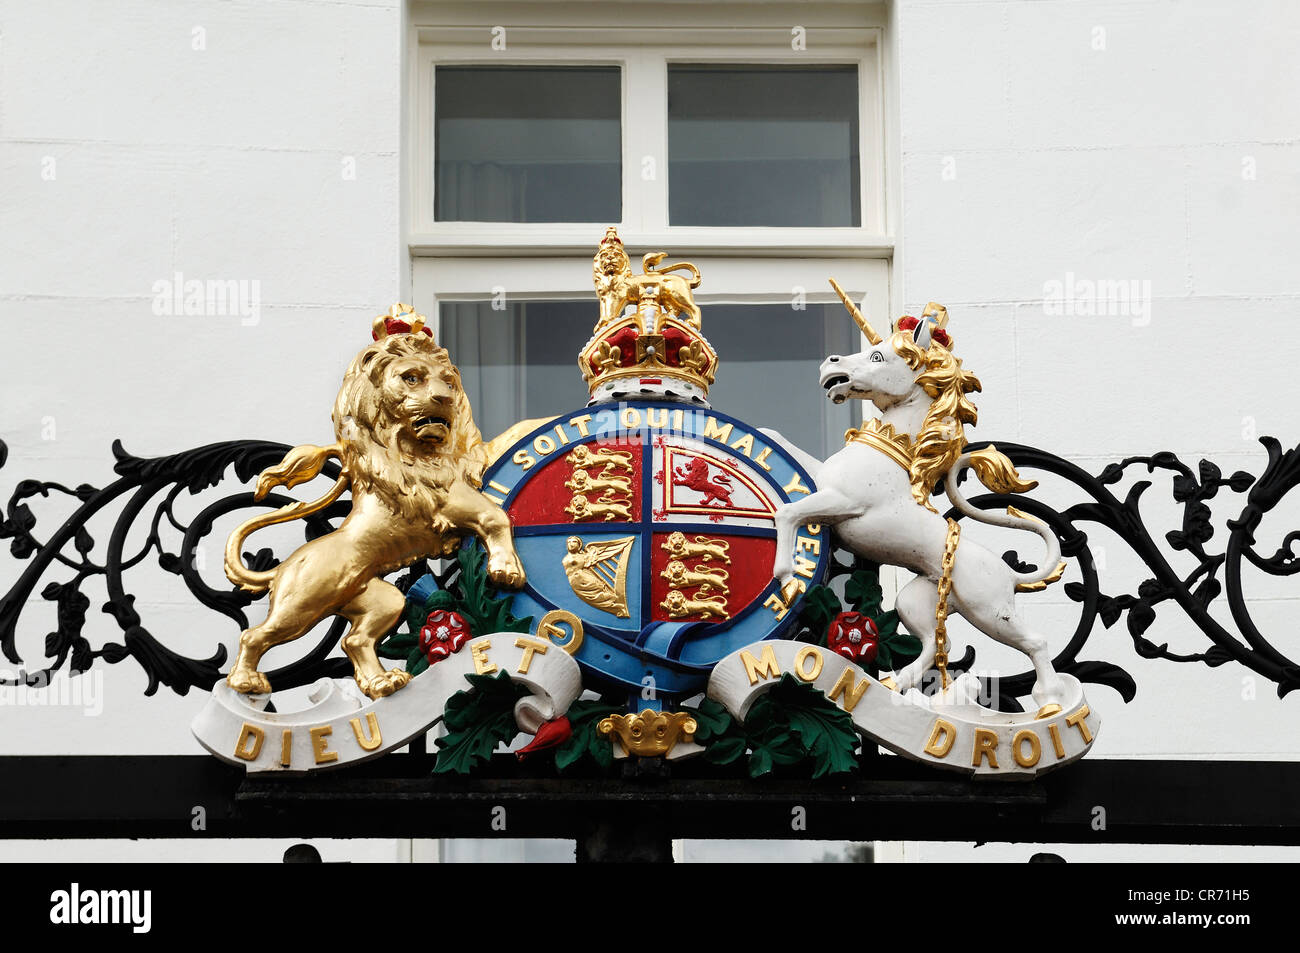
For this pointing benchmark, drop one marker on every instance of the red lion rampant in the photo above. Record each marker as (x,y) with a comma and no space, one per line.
(695,476)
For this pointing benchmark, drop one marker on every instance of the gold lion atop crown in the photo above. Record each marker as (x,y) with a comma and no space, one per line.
(656,344)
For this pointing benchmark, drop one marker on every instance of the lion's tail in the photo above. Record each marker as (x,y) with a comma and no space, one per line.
(650,263)
(996,471)
(298,466)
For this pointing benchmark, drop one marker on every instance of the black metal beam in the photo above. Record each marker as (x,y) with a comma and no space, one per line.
(1098,801)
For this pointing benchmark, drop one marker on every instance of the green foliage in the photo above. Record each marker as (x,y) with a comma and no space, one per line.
(790,724)
(721,735)
(820,607)
(795,721)
(477,722)
(587,742)
(478,602)
(895,647)
(472,596)
(417,612)
(863,590)
(398,645)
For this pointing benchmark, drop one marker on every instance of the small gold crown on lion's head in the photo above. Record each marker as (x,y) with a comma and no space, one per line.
(400,319)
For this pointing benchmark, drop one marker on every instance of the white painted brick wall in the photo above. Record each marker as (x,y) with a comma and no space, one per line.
(225,162)
(1108,140)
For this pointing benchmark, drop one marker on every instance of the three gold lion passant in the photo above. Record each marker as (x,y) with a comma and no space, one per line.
(414,459)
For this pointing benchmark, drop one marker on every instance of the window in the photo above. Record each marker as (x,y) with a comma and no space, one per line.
(518,362)
(528,144)
(721,117)
(763,145)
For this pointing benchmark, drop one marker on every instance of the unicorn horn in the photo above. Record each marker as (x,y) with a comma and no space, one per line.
(858,318)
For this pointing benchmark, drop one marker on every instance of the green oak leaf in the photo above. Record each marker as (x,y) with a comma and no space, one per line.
(828,735)
(886,624)
(774,747)
(438,599)
(884,656)
(477,723)
(796,721)
(769,735)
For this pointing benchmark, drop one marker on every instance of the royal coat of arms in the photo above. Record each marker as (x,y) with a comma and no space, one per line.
(644,576)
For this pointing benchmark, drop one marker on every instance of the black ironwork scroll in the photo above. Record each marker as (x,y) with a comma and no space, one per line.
(147,489)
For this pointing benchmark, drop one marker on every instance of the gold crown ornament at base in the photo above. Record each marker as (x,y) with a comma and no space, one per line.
(650,734)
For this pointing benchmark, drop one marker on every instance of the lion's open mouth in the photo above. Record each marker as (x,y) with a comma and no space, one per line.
(427,427)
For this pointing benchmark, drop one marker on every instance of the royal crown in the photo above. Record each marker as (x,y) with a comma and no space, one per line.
(647,340)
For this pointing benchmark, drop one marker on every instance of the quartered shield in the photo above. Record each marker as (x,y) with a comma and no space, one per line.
(646,531)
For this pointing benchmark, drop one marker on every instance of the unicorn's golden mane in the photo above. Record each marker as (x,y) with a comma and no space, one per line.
(942,435)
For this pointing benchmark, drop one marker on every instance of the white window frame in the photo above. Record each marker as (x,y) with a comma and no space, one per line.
(642,39)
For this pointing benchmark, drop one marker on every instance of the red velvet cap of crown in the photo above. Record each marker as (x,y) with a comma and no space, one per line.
(908,323)
(397,326)
(625,340)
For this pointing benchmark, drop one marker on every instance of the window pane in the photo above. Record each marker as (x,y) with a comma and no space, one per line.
(763,145)
(522,362)
(528,144)
(768,360)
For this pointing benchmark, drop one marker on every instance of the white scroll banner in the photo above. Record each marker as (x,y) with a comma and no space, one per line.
(343,727)
(953,734)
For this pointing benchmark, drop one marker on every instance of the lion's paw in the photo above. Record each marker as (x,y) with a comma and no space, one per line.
(506,572)
(249,683)
(385,683)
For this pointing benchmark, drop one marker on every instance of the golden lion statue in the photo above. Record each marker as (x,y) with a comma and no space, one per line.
(414,459)
(617,287)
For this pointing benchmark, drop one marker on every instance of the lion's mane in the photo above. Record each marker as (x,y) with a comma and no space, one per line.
(612,254)
(367,430)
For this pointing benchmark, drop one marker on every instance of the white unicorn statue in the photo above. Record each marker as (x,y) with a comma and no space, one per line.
(876,494)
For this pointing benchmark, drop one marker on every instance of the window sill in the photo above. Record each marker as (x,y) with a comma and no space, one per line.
(489,239)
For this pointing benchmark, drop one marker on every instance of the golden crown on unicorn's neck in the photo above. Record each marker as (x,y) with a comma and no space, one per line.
(647,340)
